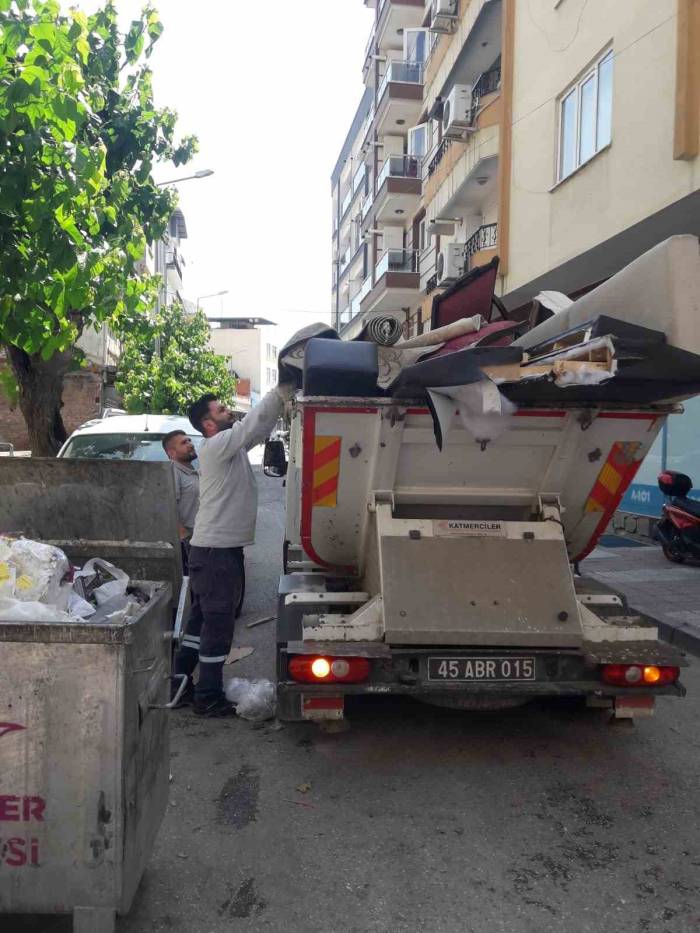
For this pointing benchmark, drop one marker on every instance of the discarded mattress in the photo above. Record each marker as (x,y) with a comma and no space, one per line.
(659,290)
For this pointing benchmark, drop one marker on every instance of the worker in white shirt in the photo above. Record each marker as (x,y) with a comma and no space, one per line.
(224,525)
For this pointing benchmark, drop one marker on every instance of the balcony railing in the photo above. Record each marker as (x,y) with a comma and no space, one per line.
(401,73)
(370,43)
(486,237)
(367,125)
(359,176)
(358,183)
(366,206)
(174,261)
(399,166)
(396,260)
(347,201)
(439,155)
(487,83)
(431,284)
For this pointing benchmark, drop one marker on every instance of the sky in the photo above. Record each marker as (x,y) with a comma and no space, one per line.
(270,88)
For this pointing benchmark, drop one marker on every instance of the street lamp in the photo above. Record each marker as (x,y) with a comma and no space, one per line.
(213,295)
(202,173)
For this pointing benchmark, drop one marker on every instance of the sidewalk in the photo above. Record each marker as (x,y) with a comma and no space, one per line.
(668,592)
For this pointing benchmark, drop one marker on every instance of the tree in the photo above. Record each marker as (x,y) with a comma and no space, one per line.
(79,135)
(167,364)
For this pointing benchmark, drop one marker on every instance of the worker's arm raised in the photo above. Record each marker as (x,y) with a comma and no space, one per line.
(254,428)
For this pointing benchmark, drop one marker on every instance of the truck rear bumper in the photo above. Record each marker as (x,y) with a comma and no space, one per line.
(293,698)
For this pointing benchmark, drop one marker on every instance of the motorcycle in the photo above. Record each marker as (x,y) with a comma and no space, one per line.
(679,528)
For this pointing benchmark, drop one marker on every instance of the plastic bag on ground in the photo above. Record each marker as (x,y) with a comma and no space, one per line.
(253,699)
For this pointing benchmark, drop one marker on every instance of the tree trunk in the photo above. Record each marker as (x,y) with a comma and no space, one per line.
(40,384)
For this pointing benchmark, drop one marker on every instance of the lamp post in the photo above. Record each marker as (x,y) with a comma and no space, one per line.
(202,173)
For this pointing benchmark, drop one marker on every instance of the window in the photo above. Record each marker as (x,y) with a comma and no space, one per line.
(415,45)
(585,117)
(418,140)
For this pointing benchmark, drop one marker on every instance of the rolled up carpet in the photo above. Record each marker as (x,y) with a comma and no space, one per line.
(383,329)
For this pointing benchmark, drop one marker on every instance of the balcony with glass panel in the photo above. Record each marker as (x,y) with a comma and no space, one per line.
(395,17)
(398,189)
(399,97)
(396,281)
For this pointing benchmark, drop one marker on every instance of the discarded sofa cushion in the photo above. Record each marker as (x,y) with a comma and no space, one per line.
(340,368)
(291,356)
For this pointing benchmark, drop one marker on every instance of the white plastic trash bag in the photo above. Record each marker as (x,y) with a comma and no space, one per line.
(38,570)
(253,699)
(8,575)
(101,580)
(18,610)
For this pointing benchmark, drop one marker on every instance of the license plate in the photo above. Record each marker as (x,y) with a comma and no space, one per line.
(488,670)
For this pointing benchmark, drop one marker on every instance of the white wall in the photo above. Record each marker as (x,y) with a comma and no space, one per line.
(246,351)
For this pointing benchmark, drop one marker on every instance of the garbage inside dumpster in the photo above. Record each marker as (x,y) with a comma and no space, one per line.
(38,584)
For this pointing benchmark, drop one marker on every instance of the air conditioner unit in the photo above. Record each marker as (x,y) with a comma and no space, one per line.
(450,263)
(457,112)
(443,15)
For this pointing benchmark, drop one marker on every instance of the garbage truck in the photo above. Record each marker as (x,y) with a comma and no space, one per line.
(436,528)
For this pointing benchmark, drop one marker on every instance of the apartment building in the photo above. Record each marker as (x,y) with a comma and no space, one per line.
(250,346)
(558,135)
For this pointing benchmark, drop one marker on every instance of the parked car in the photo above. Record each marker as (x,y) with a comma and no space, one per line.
(126,437)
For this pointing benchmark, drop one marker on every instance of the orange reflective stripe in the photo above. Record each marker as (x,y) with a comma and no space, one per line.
(326,449)
(326,471)
(609,482)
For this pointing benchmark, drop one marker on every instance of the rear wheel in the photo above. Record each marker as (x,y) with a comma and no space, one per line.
(673,552)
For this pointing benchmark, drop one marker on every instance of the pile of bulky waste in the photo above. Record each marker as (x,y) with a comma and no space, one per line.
(39,584)
(633,340)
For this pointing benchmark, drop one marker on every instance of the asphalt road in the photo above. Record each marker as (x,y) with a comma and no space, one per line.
(538,819)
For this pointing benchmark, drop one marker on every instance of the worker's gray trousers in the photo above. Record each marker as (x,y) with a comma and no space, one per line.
(216,580)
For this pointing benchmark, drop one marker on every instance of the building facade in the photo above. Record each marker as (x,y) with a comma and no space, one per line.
(250,346)
(558,135)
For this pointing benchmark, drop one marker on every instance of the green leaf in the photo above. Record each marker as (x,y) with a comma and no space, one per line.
(134,42)
(67,223)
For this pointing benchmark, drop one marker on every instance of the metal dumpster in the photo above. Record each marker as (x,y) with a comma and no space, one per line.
(84,746)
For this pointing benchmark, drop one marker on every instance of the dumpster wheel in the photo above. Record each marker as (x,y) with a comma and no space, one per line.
(460,701)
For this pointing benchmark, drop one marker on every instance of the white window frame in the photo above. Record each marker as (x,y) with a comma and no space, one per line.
(575,88)
(412,32)
(413,134)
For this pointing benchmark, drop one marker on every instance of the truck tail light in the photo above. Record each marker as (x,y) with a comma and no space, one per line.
(322,669)
(639,675)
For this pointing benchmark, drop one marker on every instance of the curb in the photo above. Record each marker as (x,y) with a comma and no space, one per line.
(684,635)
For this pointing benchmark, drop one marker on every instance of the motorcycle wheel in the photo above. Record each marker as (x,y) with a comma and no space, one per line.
(673,553)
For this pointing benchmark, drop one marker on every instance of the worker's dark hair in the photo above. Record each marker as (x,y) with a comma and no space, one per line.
(169,436)
(199,410)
